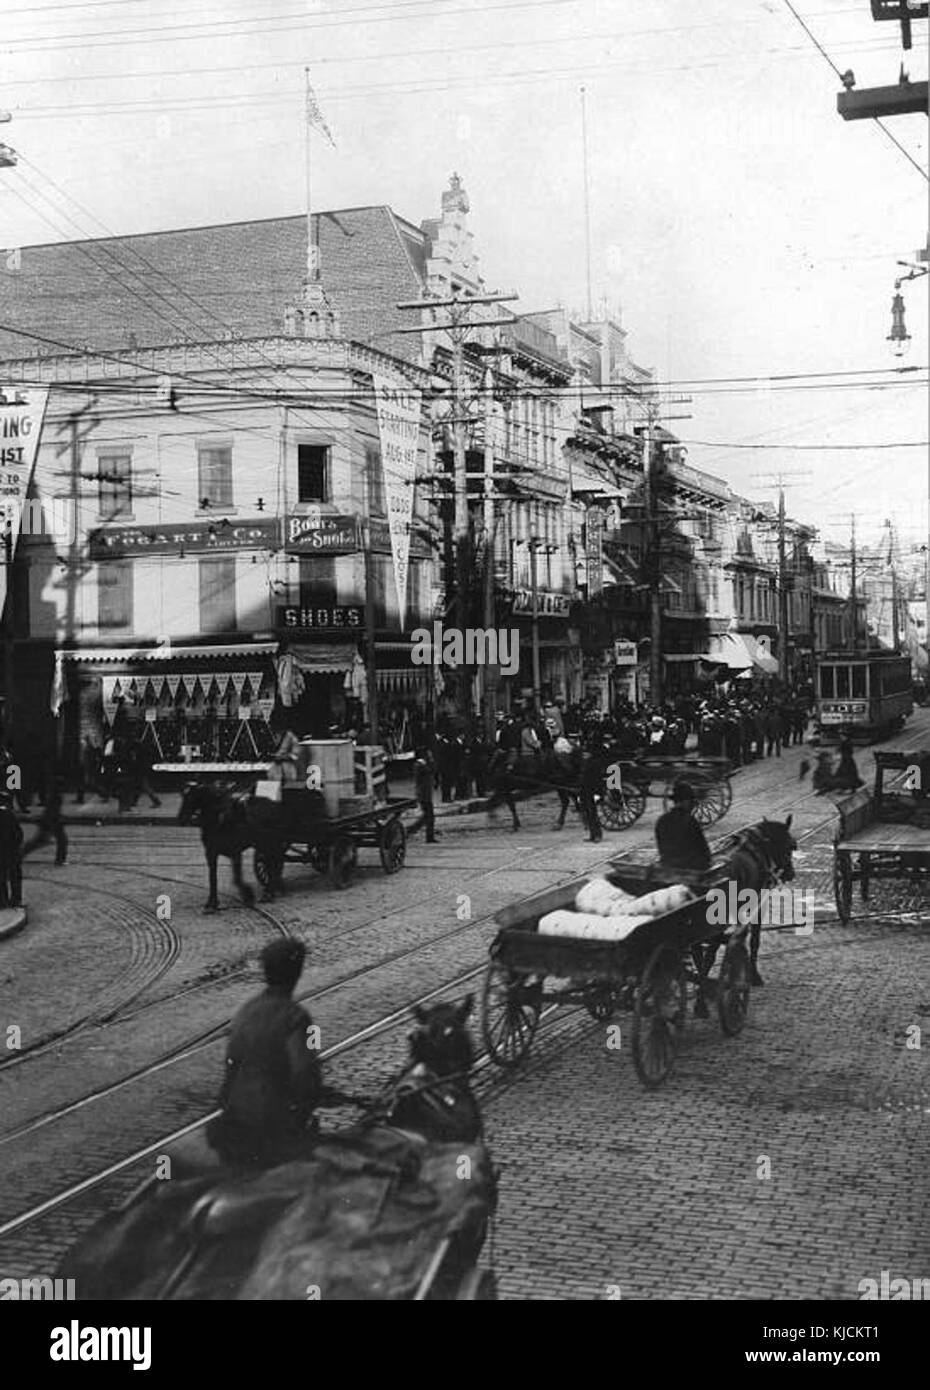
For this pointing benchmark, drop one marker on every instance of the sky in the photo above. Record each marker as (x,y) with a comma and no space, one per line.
(738,225)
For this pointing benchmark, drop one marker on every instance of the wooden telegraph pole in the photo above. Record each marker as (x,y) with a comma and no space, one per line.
(459,323)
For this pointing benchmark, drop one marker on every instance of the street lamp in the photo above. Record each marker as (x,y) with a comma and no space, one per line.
(899,338)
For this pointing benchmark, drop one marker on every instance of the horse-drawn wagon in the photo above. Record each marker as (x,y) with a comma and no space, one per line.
(296,830)
(622,805)
(647,970)
(374,1211)
(330,844)
(884,834)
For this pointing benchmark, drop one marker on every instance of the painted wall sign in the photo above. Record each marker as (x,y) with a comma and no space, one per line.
(123,542)
(313,618)
(312,533)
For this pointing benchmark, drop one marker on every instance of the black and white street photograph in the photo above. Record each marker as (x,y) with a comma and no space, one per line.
(464,681)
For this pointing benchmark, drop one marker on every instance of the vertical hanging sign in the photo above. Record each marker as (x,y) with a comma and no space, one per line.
(399,420)
(594,550)
(21,416)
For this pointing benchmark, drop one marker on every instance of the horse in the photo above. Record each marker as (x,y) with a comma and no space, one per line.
(757,857)
(231,823)
(432,1096)
(219,1232)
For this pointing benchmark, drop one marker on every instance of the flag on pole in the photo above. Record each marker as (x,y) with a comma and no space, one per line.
(314,114)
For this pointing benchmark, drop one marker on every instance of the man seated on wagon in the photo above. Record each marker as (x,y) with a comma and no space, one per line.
(684,854)
(273,1081)
(684,857)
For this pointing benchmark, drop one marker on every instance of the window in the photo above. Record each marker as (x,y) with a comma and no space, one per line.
(114,596)
(374,483)
(218,594)
(114,485)
(827,686)
(214,476)
(859,674)
(312,473)
(842,682)
(317,581)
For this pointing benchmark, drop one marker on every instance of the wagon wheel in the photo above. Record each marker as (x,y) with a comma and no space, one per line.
(510,1009)
(267,867)
(713,799)
(263,868)
(733,989)
(392,845)
(318,856)
(658,1015)
(621,807)
(864,877)
(842,884)
(602,1002)
(342,859)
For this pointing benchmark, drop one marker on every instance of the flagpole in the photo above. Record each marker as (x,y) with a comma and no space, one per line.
(311,259)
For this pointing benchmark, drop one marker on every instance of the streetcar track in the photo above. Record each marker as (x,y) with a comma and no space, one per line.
(504,1080)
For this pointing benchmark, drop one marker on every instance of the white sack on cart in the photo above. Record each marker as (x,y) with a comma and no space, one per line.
(602,897)
(588,926)
(662,900)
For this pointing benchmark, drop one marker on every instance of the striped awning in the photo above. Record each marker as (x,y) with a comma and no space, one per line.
(324,658)
(95,655)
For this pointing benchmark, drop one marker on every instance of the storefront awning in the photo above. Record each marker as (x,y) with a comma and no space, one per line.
(323,658)
(741,652)
(94,655)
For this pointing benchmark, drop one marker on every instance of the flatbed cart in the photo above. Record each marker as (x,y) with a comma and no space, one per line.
(331,844)
(647,973)
(885,833)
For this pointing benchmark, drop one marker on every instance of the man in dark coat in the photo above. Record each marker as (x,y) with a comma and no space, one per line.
(424,773)
(274,1080)
(683,849)
(11,854)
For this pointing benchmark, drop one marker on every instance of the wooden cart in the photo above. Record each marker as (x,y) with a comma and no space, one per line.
(885,833)
(647,973)
(331,845)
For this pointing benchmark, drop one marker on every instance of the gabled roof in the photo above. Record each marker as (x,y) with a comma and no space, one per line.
(201,282)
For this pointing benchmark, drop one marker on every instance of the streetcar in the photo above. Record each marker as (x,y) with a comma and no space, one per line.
(863,697)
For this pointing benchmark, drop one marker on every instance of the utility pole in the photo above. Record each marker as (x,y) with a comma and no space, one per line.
(852,587)
(587,201)
(783,585)
(654,574)
(782,594)
(534,591)
(458,325)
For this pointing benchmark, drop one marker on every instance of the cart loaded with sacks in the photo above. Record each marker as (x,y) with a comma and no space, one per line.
(629,783)
(613,945)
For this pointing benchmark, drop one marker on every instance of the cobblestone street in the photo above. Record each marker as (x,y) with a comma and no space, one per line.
(786,1163)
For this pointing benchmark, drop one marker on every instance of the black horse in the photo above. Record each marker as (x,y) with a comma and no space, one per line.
(432,1095)
(758,857)
(230,823)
